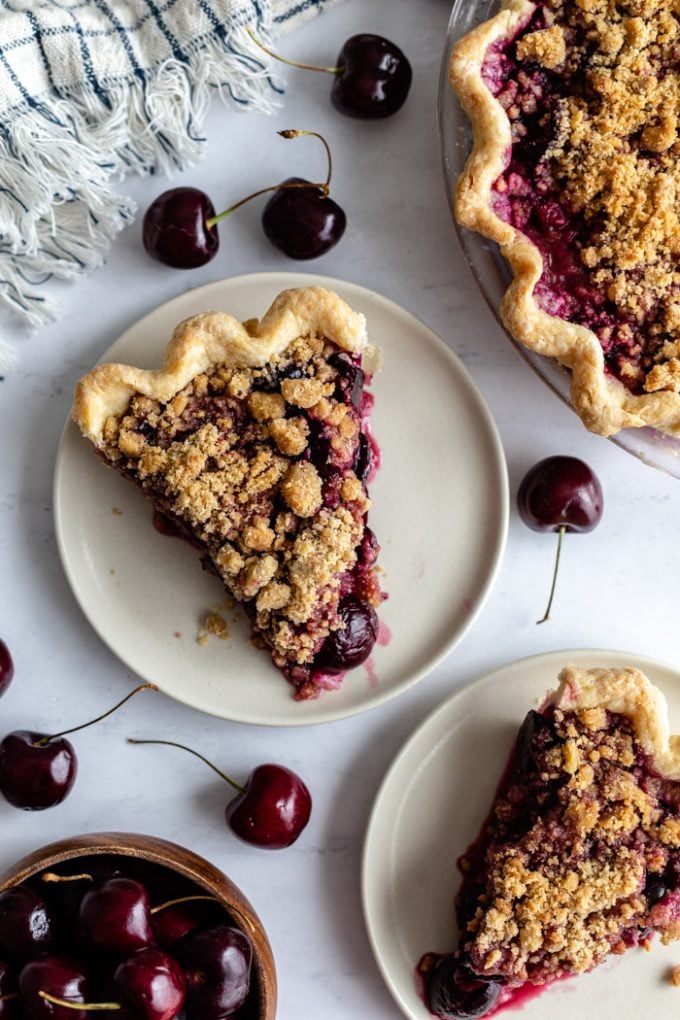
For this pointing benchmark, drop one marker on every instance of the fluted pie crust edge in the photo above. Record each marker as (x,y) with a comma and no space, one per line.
(216,338)
(604,404)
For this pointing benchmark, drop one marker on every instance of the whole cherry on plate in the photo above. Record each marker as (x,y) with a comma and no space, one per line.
(454,992)
(270,811)
(6,667)
(217,963)
(352,644)
(372,76)
(560,494)
(38,770)
(180,226)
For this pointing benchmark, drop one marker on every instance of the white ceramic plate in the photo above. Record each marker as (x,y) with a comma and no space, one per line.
(431,806)
(440,507)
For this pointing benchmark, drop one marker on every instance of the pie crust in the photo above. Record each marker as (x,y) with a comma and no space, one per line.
(579,856)
(253,442)
(604,403)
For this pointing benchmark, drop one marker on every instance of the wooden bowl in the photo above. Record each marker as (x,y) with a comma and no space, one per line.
(183,862)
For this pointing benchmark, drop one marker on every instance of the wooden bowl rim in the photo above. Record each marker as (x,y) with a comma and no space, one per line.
(178,858)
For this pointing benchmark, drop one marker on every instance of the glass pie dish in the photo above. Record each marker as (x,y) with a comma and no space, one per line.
(488,266)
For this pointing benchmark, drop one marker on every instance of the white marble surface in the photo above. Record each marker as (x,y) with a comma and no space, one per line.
(618,587)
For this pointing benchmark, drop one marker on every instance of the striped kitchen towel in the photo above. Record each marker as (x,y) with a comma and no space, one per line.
(91,90)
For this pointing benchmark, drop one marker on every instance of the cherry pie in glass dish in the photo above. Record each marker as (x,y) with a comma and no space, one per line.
(572,170)
(579,857)
(253,443)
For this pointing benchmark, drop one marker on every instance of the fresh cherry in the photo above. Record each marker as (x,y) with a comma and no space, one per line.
(9,993)
(176,230)
(217,963)
(175,919)
(454,992)
(6,668)
(560,494)
(37,771)
(25,923)
(372,76)
(304,223)
(180,226)
(374,79)
(51,975)
(151,983)
(116,916)
(352,644)
(270,811)
(273,808)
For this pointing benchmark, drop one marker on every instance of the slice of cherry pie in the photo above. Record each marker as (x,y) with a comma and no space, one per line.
(253,440)
(580,854)
(574,171)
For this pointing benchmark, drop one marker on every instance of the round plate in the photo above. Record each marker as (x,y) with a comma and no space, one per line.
(440,508)
(487,264)
(431,806)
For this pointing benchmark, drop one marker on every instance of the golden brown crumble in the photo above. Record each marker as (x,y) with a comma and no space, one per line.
(220,458)
(571,888)
(546,46)
(614,159)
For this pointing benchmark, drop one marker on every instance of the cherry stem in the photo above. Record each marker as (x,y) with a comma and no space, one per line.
(182,899)
(83,726)
(9,996)
(290,133)
(183,747)
(78,1005)
(51,876)
(293,63)
(560,534)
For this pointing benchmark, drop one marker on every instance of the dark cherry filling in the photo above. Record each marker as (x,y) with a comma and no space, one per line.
(527,196)
(455,986)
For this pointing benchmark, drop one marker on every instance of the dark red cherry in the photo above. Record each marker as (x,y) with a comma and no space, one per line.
(151,983)
(363,462)
(454,992)
(217,963)
(560,492)
(116,916)
(352,644)
(36,771)
(270,811)
(175,920)
(25,923)
(175,230)
(369,548)
(6,667)
(303,223)
(57,976)
(9,993)
(374,78)
(273,808)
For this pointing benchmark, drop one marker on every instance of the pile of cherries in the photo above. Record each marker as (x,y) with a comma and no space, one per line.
(80,944)
(371,81)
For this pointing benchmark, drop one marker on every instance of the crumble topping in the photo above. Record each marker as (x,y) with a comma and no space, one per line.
(257,467)
(594,107)
(546,46)
(578,855)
